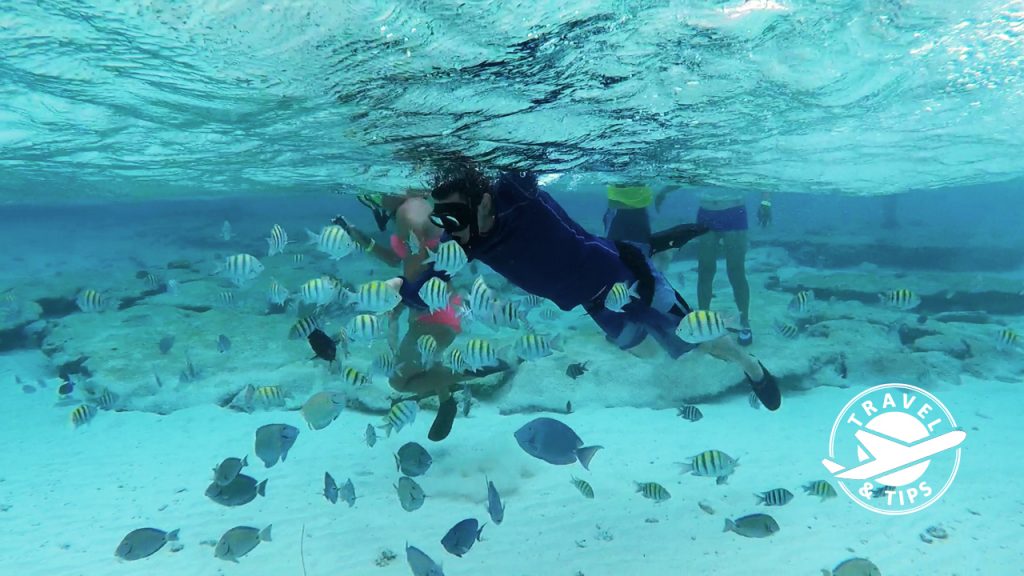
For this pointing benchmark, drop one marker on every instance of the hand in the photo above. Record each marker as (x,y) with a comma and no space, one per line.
(764,213)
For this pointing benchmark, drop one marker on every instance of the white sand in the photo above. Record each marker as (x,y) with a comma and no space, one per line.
(73,494)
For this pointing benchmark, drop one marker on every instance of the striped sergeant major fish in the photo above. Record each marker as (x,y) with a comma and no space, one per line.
(701,326)
(332,240)
(277,241)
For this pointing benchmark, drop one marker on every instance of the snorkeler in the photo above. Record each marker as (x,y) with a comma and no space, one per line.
(724,212)
(410,213)
(523,234)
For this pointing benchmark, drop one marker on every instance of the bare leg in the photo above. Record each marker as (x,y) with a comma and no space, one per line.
(735,244)
(414,378)
(707,262)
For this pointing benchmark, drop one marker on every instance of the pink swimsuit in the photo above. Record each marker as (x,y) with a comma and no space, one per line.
(449,316)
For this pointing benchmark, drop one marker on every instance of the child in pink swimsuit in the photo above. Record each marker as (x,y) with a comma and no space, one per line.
(447,317)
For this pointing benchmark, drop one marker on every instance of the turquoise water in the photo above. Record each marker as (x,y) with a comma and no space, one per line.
(143,145)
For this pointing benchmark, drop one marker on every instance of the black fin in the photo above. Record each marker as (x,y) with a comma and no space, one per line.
(676,236)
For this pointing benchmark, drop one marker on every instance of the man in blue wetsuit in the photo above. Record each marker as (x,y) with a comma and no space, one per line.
(523,234)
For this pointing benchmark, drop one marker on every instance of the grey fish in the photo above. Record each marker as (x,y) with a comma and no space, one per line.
(226,471)
(775,497)
(371,435)
(223,343)
(882,491)
(413,459)
(462,536)
(165,344)
(273,442)
(854,567)
(239,541)
(554,442)
(143,542)
(420,563)
(242,490)
(330,488)
(410,494)
(347,493)
(28,389)
(690,412)
(494,506)
(576,369)
(753,526)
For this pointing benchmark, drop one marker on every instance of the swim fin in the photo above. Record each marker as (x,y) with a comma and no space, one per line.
(442,425)
(767,390)
(675,236)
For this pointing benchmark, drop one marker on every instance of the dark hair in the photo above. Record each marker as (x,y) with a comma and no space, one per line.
(459,177)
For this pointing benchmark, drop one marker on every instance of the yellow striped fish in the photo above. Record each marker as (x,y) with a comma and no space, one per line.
(319,291)
(82,414)
(479,354)
(434,293)
(91,301)
(785,329)
(620,295)
(303,327)
(277,294)
(481,299)
(1007,339)
(584,487)
(427,347)
(534,346)
(455,360)
(377,297)
(701,326)
(332,240)
(277,241)
(385,364)
(900,299)
(820,488)
(105,399)
(449,258)
(241,268)
(354,377)
(401,415)
(269,395)
(652,491)
(711,463)
(364,328)
(801,303)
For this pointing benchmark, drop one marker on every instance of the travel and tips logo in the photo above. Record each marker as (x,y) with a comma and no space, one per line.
(901,446)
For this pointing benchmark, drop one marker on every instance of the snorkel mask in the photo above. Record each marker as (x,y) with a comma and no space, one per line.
(456,216)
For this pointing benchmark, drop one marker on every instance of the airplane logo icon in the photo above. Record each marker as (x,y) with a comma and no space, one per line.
(888,455)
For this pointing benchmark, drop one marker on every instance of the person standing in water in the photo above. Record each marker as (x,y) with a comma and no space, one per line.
(724,212)
(413,235)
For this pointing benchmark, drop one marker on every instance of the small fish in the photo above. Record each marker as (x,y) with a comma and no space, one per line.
(427,347)
(240,268)
(568,406)
(239,541)
(172,287)
(690,412)
(480,354)
(104,399)
(322,408)
(620,295)
(455,360)
(401,415)
(652,491)
(319,291)
(143,542)
(854,567)
(753,526)
(225,231)
(28,389)
(165,344)
(239,491)
(332,240)
(413,459)
(227,298)
(701,326)
(303,327)
(435,294)
(83,414)
(277,295)
(354,377)
(190,373)
(549,314)
(270,395)
(365,328)
(66,387)
(376,297)
(298,257)
(277,241)
(449,258)
(820,488)
(531,346)
(330,488)
(774,497)
(481,299)
(711,463)
(495,509)
(754,401)
(576,369)
(584,487)
(801,303)
(882,491)
(347,493)
(410,494)
(785,329)
(91,301)
(228,469)
(900,299)
(386,364)
(1007,339)
(273,442)
(323,346)
(371,435)
(420,563)
(223,344)
(552,441)
(461,537)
